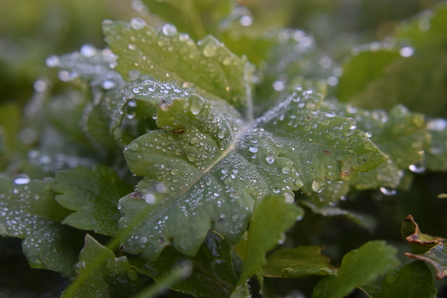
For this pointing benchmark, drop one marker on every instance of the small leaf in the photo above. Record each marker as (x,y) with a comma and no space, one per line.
(411,280)
(212,263)
(29,212)
(272,217)
(94,195)
(297,262)
(425,247)
(171,56)
(359,267)
(112,277)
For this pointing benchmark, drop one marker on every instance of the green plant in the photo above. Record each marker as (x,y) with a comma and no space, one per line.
(226,153)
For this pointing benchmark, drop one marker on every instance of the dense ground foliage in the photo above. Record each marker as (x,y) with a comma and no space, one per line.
(206,150)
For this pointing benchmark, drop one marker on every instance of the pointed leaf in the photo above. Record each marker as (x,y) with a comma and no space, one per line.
(93,195)
(171,56)
(411,280)
(264,234)
(212,263)
(206,165)
(425,247)
(29,212)
(297,262)
(358,267)
(113,277)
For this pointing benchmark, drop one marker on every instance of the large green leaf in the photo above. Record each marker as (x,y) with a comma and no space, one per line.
(358,267)
(206,165)
(29,212)
(170,56)
(213,264)
(113,277)
(412,280)
(297,262)
(93,195)
(264,235)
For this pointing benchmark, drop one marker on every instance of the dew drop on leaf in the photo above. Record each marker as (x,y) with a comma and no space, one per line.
(388,191)
(270,159)
(318,185)
(210,48)
(137,23)
(169,30)
(22,179)
(196,104)
(149,198)
(108,84)
(52,61)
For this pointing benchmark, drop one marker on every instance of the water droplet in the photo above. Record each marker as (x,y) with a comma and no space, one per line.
(221,134)
(22,179)
(195,104)
(406,51)
(143,239)
(108,84)
(226,60)
(437,124)
(133,75)
(417,168)
(134,146)
(286,170)
(368,134)
(290,198)
(210,48)
(161,187)
(282,239)
(137,23)
(88,50)
(132,47)
(270,158)
(52,61)
(246,21)
(318,185)
(183,37)
(278,86)
(191,157)
(149,198)
(388,191)
(253,149)
(169,30)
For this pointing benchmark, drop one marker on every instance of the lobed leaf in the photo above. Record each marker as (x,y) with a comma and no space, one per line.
(358,267)
(207,167)
(29,212)
(171,56)
(297,262)
(93,195)
(114,277)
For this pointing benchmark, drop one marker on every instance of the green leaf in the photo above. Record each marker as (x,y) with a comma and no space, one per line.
(264,234)
(170,56)
(411,280)
(112,277)
(212,263)
(297,262)
(425,247)
(93,195)
(427,30)
(363,68)
(358,267)
(206,165)
(29,212)
(196,17)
